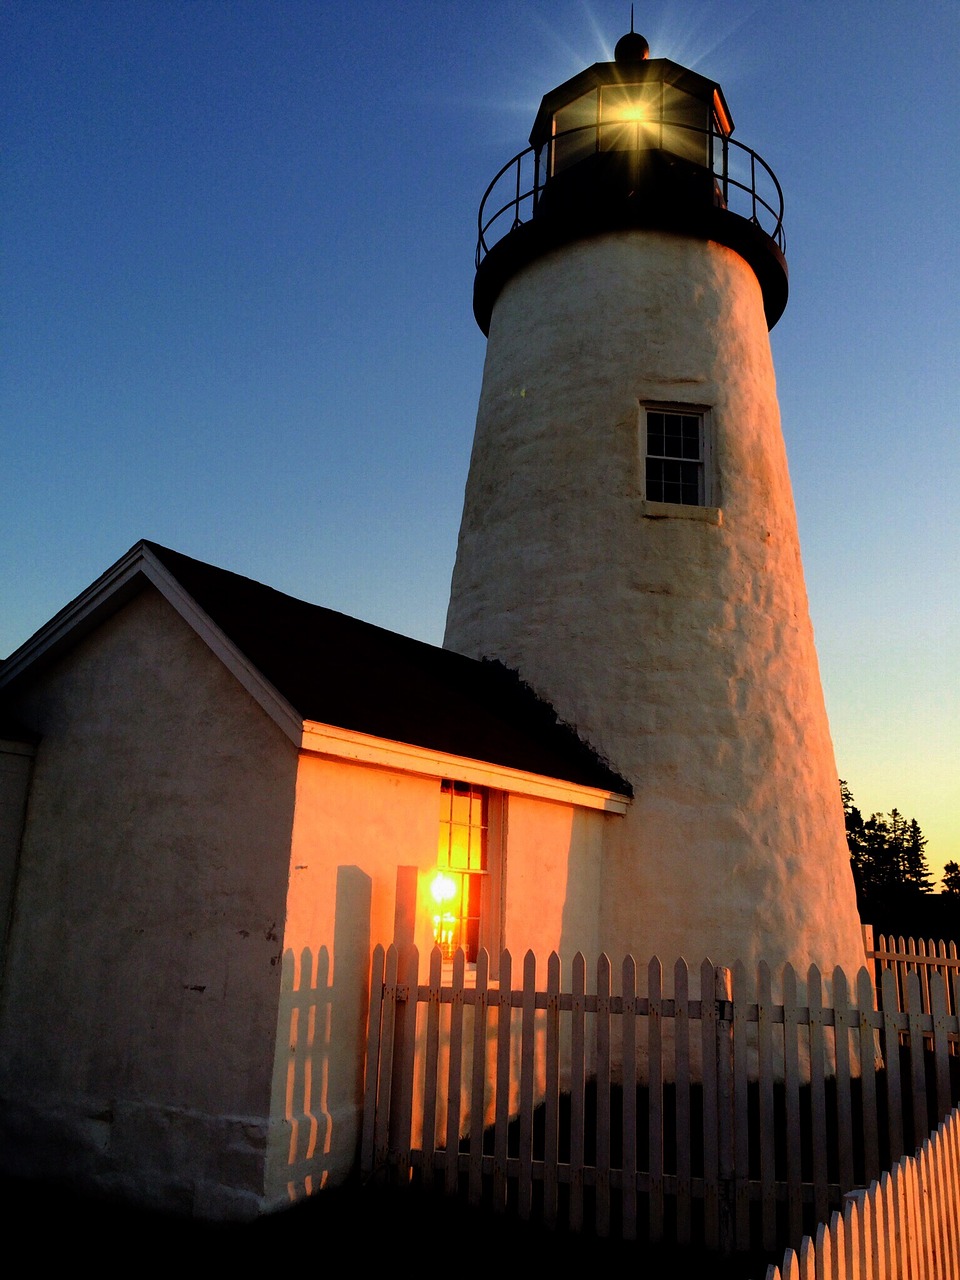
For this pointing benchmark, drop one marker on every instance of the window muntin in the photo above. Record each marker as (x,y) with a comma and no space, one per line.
(675,462)
(458,888)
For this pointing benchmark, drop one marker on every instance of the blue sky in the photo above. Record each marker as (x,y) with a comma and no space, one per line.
(236,262)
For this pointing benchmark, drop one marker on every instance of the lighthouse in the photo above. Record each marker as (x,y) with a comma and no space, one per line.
(629,542)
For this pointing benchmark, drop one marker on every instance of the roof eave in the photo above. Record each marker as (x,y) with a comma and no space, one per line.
(334,742)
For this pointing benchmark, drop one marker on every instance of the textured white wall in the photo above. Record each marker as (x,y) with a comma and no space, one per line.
(681,648)
(16,763)
(143,968)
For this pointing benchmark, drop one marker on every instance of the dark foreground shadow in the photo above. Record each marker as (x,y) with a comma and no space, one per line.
(350,1226)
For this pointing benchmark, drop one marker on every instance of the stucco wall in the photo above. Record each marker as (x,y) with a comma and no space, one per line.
(554,881)
(355,825)
(681,647)
(139,1000)
(16,763)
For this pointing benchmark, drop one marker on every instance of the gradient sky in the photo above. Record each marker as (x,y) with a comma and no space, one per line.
(236,262)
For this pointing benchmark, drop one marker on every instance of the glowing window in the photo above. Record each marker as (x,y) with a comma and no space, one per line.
(630,117)
(676,457)
(458,888)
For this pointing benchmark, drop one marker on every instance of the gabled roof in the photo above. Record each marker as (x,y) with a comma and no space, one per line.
(308,663)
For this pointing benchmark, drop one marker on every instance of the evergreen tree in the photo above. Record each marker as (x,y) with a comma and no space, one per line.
(887,854)
(951,879)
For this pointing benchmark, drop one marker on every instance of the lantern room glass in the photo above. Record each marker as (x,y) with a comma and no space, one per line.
(631,117)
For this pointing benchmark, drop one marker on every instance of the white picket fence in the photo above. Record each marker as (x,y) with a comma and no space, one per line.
(753,1122)
(903,956)
(906,1226)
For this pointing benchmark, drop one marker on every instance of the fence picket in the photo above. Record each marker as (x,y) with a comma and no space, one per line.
(741,1113)
(844,1264)
(954,1143)
(896,1216)
(807,1261)
(945,1192)
(937,1204)
(725,1107)
(451,1162)
(382,1145)
(841,1022)
(791,1090)
(655,1106)
(405,1049)
(924,1164)
(478,1078)
(768,1165)
(818,1101)
(577,1087)
(501,1120)
(953,1188)
(710,1115)
(824,1253)
(428,1139)
(681,1035)
(603,1097)
(941,1043)
(911,1201)
(368,1144)
(551,1103)
(866,1000)
(848,1239)
(890,1239)
(628,1040)
(923,951)
(867,1236)
(917,1071)
(891,1052)
(527,1070)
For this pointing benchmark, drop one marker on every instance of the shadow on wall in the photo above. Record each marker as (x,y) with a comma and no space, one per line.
(324,1003)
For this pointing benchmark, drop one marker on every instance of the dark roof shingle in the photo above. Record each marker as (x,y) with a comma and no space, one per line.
(337,670)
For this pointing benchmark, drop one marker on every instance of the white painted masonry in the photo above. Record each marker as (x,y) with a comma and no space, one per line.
(681,648)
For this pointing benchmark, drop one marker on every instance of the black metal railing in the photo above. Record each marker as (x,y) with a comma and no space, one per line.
(743,182)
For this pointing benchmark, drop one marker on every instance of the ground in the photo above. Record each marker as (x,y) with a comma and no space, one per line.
(370,1226)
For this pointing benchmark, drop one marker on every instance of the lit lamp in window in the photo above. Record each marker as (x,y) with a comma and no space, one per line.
(457,886)
(443,890)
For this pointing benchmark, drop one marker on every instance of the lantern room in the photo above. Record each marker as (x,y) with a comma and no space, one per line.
(634,143)
(632,105)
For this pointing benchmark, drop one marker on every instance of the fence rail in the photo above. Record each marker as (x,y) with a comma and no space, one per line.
(755,1111)
(906,1226)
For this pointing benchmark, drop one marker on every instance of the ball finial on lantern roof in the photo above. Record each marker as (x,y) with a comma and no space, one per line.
(631,48)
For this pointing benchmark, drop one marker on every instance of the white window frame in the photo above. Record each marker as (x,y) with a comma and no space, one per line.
(492,877)
(706,507)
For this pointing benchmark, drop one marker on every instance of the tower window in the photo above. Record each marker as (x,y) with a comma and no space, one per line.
(676,457)
(458,887)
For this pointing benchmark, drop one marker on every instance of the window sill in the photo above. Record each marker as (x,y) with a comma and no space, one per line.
(678,511)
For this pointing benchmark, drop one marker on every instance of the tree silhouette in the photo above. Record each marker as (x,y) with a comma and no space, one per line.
(887,855)
(951,879)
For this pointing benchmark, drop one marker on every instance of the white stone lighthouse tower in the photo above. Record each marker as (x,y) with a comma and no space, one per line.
(629,542)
